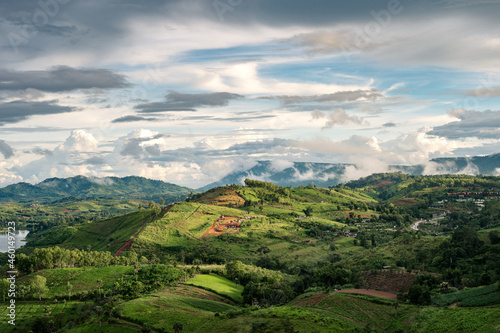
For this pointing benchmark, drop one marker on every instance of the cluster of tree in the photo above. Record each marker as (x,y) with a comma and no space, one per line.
(54,257)
(147,279)
(262,286)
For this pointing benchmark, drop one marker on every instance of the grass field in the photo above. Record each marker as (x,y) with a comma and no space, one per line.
(482,296)
(219,285)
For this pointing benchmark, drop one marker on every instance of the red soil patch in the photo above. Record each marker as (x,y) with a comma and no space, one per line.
(405,202)
(311,301)
(223,225)
(384,183)
(391,281)
(370,292)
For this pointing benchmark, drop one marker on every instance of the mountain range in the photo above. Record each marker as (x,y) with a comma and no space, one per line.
(331,174)
(294,174)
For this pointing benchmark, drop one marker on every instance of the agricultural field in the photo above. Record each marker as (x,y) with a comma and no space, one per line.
(280,269)
(219,285)
(82,279)
(28,312)
(453,320)
(105,235)
(475,297)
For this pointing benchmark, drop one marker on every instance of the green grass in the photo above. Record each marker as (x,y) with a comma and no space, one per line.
(142,311)
(456,320)
(219,285)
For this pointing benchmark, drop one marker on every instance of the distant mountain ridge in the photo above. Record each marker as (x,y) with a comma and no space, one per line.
(87,187)
(331,174)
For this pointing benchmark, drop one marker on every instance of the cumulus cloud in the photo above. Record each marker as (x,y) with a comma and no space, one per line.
(175,101)
(65,160)
(16,111)
(61,78)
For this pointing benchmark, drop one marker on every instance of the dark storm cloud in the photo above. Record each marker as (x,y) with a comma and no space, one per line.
(5,149)
(17,111)
(61,78)
(128,119)
(339,97)
(482,125)
(175,101)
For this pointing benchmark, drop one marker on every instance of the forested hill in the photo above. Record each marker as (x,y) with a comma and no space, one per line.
(84,187)
(396,185)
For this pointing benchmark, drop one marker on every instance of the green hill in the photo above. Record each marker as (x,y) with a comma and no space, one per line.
(84,187)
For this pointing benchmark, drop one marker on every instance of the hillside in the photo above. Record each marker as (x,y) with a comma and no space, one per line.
(265,258)
(84,187)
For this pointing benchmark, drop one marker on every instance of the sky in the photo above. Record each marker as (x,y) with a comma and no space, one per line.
(187,91)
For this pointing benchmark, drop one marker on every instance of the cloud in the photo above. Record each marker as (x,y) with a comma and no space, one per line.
(482,125)
(340,96)
(128,119)
(175,101)
(16,111)
(337,117)
(95,160)
(6,150)
(344,41)
(40,151)
(140,144)
(390,124)
(355,145)
(61,78)
(483,92)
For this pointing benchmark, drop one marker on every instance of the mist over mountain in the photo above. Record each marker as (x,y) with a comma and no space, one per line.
(331,174)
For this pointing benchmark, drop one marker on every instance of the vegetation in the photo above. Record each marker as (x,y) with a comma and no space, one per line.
(266,258)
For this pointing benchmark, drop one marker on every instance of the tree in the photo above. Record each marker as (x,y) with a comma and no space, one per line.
(177,327)
(99,285)
(38,286)
(151,205)
(308,211)
(69,289)
(162,202)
